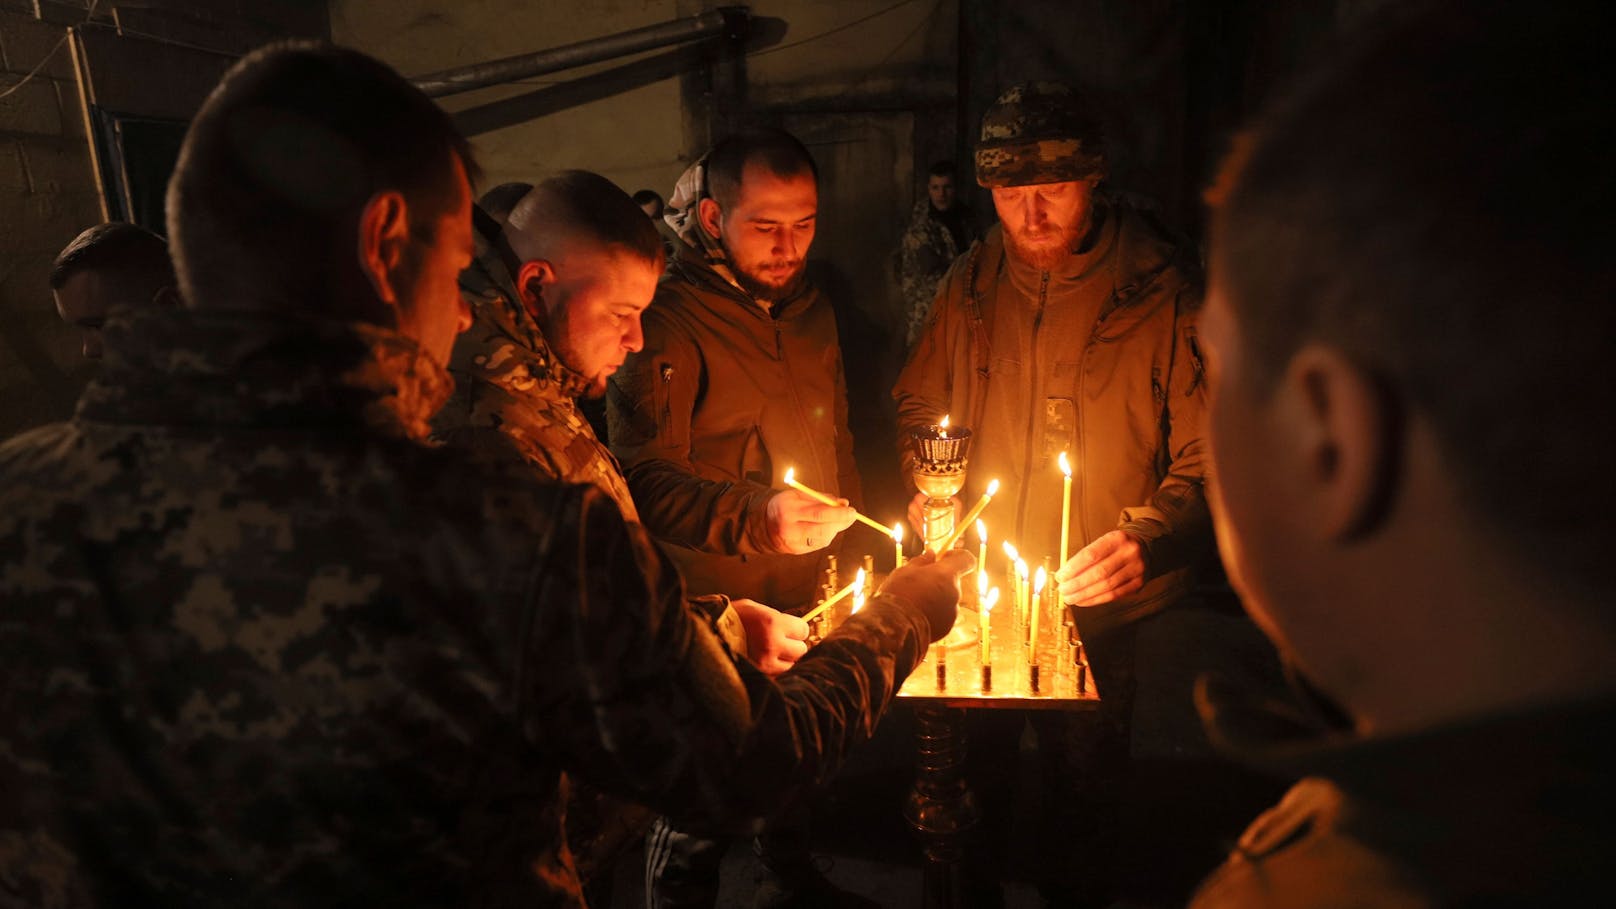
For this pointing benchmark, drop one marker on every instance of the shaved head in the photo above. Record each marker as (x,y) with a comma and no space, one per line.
(579,206)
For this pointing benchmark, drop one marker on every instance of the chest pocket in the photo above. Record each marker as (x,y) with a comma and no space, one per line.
(756,466)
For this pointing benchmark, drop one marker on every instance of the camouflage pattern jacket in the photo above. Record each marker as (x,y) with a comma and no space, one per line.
(924,254)
(262,646)
(512,392)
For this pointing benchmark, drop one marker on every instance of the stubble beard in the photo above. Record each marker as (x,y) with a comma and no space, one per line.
(1042,254)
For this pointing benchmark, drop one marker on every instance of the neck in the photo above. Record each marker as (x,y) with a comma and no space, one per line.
(1447,621)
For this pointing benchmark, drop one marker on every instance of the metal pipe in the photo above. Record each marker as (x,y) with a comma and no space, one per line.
(731,19)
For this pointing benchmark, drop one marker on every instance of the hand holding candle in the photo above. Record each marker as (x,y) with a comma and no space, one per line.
(1108,568)
(970,516)
(837,597)
(823,499)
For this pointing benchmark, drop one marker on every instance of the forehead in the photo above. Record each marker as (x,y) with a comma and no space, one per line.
(605,268)
(82,296)
(941,179)
(768,194)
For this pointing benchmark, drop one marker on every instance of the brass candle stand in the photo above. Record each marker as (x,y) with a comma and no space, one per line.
(941,454)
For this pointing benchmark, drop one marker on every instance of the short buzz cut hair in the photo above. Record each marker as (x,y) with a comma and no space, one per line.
(582,205)
(130,254)
(499,201)
(1437,206)
(943,169)
(647,196)
(280,161)
(779,152)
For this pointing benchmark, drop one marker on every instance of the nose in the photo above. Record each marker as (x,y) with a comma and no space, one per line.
(786,247)
(92,344)
(634,337)
(463,317)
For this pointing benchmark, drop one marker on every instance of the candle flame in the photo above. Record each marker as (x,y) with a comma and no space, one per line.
(993,488)
(991,601)
(1021,569)
(1065,465)
(1011,551)
(897,532)
(981,584)
(1039,580)
(791,475)
(982,532)
(944,424)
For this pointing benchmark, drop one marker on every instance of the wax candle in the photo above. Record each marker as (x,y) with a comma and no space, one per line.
(1066,509)
(988,602)
(897,545)
(1037,607)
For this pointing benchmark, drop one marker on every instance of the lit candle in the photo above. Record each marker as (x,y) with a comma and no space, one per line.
(837,597)
(858,598)
(1066,508)
(1037,607)
(1010,570)
(990,600)
(972,515)
(816,495)
(942,428)
(897,545)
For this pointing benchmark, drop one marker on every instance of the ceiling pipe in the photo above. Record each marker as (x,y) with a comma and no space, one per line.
(726,20)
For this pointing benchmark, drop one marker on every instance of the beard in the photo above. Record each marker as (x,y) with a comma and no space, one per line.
(1046,248)
(766,288)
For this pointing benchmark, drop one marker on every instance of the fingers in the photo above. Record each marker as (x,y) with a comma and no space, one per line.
(959,561)
(793,627)
(1107,569)
(791,650)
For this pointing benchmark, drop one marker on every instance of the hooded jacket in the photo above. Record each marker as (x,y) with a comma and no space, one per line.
(264,646)
(724,398)
(1099,359)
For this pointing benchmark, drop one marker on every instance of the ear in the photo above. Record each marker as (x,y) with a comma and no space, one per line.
(384,233)
(533,279)
(1348,432)
(709,214)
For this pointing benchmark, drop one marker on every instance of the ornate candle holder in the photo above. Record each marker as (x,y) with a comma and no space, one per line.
(941,453)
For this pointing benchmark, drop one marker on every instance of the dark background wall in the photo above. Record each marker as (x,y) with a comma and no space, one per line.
(877,88)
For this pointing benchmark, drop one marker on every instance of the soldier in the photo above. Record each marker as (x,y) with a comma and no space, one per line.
(1070,327)
(585,268)
(740,379)
(263,646)
(106,267)
(941,229)
(498,202)
(1426,541)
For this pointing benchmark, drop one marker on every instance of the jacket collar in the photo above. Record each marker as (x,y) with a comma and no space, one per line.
(181,366)
(505,345)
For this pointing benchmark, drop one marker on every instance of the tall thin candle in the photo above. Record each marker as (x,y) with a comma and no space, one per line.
(897,545)
(1037,607)
(1066,509)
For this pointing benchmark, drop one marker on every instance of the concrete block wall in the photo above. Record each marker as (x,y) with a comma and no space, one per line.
(47,195)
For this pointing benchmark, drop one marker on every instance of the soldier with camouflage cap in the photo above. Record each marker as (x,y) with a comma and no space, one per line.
(1071,328)
(264,646)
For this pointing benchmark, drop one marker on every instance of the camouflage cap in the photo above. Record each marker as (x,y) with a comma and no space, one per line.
(1038,132)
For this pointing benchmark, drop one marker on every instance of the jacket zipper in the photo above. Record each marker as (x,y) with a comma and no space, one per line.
(1032,411)
(796,401)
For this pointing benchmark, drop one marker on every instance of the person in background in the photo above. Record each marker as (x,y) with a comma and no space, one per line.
(498,202)
(649,202)
(106,267)
(1424,540)
(942,228)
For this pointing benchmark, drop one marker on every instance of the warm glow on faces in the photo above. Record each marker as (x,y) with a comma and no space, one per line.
(768,230)
(941,191)
(1044,222)
(592,298)
(430,307)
